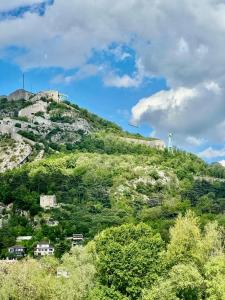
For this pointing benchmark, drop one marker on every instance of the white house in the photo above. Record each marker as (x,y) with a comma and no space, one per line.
(44,248)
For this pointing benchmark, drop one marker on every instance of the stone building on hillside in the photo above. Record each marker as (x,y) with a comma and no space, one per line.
(48,201)
(49,95)
(62,272)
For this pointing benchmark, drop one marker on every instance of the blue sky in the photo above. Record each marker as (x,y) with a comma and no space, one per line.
(111,103)
(139,61)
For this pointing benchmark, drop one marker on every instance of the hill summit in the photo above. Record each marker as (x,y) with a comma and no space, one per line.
(32,125)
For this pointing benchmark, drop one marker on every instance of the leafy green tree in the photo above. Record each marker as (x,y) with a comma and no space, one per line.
(105,293)
(182,282)
(194,262)
(128,258)
(215,278)
(79,265)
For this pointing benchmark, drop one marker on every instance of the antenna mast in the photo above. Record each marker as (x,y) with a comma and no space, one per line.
(170,142)
(23,81)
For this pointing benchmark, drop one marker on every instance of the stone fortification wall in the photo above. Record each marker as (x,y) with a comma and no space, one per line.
(29,111)
(159,144)
(50,95)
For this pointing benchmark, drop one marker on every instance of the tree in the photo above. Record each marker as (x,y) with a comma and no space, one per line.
(37,280)
(79,265)
(195,263)
(128,258)
(105,293)
(182,282)
(26,280)
(215,278)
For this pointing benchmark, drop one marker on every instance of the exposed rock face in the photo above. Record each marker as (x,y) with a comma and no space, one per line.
(20,94)
(13,154)
(47,121)
(43,122)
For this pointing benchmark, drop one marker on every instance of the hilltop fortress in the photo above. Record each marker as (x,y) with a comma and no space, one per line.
(42,122)
(22,94)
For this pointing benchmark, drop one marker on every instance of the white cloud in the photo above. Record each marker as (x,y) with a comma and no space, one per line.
(123,81)
(195,141)
(6,5)
(210,153)
(222,162)
(192,114)
(172,39)
(126,81)
(85,71)
(120,54)
(175,40)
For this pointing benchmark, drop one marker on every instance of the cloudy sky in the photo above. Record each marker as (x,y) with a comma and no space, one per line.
(159,64)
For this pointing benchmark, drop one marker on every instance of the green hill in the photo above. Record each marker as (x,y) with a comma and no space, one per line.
(101,176)
(106,182)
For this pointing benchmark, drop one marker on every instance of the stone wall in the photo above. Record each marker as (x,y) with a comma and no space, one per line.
(53,95)
(158,144)
(31,110)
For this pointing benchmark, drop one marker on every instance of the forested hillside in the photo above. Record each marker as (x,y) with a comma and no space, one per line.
(152,219)
(106,182)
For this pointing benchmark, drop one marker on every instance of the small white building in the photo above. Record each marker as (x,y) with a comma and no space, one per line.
(48,201)
(44,248)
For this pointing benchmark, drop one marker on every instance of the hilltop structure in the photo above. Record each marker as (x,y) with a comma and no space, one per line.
(20,94)
(33,124)
(28,96)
